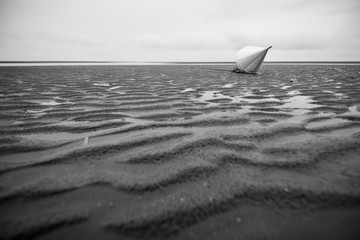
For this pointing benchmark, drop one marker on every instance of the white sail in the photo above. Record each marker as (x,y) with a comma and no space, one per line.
(249,59)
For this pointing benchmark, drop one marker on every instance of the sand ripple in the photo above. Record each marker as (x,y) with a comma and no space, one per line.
(151,152)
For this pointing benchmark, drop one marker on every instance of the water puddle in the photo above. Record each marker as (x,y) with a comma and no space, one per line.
(339,95)
(49,103)
(285,87)
(213,95)
(49,93)
(188,90)
(210,95)
(230,85)
(120,92)
(295,92)
(116,87)
(302,102)
(268,98)
(39,111)
(354,110)
(102,84)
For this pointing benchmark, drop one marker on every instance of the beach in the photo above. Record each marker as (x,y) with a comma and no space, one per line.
(180,152)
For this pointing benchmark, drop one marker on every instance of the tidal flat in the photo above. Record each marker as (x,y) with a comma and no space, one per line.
(180,152)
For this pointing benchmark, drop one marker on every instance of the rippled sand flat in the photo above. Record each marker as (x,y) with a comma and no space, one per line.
(180,152)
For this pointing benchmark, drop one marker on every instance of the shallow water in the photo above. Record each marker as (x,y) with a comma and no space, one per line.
(302,102)
(188,90)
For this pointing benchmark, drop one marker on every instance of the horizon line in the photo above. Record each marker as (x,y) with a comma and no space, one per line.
(179,62)
(106,61)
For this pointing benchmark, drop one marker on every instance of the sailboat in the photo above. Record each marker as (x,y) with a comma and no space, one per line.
(249,59)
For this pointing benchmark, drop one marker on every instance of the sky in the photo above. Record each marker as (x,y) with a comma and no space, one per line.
(178,30)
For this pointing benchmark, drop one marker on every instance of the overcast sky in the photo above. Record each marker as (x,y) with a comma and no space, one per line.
(178,30)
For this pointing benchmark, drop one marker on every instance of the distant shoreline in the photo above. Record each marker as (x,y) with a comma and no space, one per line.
(175,62)
(74,63)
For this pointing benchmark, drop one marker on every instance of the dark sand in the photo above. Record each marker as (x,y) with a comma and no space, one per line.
(180,152)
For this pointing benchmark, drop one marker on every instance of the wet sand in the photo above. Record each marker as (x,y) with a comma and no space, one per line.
(180,152)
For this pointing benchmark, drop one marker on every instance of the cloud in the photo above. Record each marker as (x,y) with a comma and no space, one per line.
(241,8)
(179,29)
(67,38)
(279,41)
(350,21)
(230,40)
(183,41)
